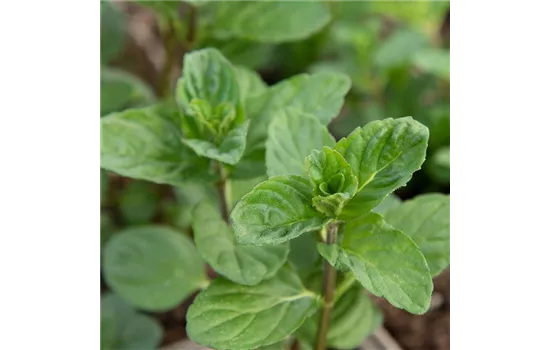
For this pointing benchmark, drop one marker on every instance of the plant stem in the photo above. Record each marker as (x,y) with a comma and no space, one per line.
(329,284)
(223,192)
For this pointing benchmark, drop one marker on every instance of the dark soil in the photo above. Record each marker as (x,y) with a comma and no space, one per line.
(426,332)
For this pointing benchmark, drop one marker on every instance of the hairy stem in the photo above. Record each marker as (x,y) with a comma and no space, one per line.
(222,188)
(329,284)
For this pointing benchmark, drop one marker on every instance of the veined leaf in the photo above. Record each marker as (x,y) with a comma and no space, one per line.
(333,179)
(209,76)
(354,317)
(385,261)
(233,316)
(321,95)
(229,151)
(292,135)
(384,154)
(243,264)
(144,144)
(426,219)
(275,211)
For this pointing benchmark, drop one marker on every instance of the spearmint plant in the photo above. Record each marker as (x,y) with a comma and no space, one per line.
(296,253)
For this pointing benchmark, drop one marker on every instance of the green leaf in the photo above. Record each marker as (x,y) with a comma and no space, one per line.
(107,229)
(385,261)
(198,3)
(303,254)
(166,9)
(247,53)
(275,211)
(354,317)
(146,145)
(188,195)
(113,31)
(333,179)
(152,267)
(439,165)
(383,155)
(269,21)
(426,219)
(138,203)
(243,264)
(121,90)
(399,48)
(321,95)
(292,135)
(389,203)
(250,82)
(232,316)
(229,151)
(209,76)
(239,188)
(251,165)
(434,61)
(125,329)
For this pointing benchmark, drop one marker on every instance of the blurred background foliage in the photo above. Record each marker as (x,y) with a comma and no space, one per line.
(396,53)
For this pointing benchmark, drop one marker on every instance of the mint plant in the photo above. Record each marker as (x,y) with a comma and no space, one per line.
(316,224)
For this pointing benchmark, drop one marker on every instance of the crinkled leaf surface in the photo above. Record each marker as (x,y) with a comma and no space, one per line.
(230,149)
(233,316)
(209,76)
(152,267)
(146,144)
(354,317)
(385,261)
(426,219)
(269,21)
(275,211)
(333,179)
(292,136)
(243,264)
(383,154)
(321,95)
(123,328)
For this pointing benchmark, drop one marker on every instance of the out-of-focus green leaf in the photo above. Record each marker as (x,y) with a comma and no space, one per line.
(113,31)
(121,90)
